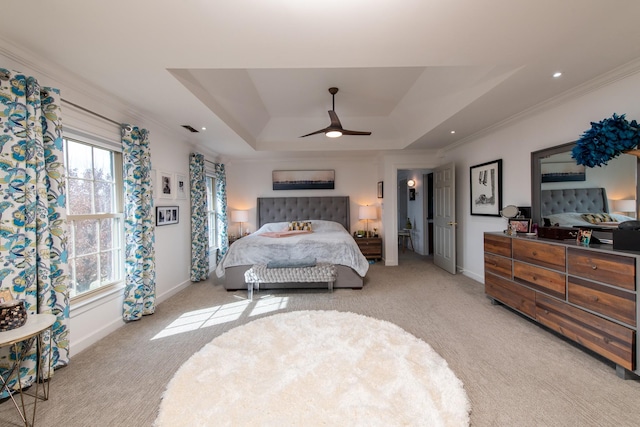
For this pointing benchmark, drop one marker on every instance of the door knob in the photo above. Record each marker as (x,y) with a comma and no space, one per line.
(452,223)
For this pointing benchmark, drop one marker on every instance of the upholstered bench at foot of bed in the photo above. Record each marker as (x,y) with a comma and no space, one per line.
(259,273)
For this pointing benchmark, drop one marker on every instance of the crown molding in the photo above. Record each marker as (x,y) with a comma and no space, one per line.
(606,79)
(111,106)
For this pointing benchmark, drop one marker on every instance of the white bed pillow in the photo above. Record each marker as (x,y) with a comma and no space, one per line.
(317,225)
(322,225)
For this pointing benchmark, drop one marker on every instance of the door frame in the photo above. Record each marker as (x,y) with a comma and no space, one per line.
(390,203)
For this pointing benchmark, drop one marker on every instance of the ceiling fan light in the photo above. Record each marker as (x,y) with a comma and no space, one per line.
(333,134)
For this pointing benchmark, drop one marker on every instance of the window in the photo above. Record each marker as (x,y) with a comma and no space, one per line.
(94,215)
(211,211)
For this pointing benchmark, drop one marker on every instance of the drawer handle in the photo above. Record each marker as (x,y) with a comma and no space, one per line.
(594,298)
(535,278)
(534,253)
(594,267)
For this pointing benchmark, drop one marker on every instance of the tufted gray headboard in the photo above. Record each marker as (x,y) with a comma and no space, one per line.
(587,200)
(278,209)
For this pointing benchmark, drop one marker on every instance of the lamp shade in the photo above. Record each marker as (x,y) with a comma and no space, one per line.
(240,216)
(367,212)
(624,205)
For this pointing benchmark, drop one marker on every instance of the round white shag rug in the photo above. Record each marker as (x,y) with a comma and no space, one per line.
(309,368)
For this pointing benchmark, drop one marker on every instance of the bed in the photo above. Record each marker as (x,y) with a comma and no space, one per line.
(329,241)
(582,207)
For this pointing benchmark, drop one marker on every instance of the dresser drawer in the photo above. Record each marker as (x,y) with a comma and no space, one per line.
(615,270)
(542,279)
(614,303)
(497,265)
(543,254)
(610,340)
(500,245)
(511,294)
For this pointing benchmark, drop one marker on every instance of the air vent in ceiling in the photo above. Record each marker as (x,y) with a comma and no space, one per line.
(190,128)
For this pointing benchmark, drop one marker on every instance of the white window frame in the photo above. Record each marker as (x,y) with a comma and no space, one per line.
(211,213)
(118,245)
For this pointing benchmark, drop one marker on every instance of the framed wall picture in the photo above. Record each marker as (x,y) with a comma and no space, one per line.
(165,185)
(166,215)
(182,186)
(486,188)
(380,190)
(304,180)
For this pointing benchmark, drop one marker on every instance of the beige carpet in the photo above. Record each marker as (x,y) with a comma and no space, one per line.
(313,368)
(515,373)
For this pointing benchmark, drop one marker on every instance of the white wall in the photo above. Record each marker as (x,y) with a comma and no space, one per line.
(560,124)
(95,318)
(355,176)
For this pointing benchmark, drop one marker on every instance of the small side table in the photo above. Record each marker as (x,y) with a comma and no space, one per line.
(371,247)
(22,339)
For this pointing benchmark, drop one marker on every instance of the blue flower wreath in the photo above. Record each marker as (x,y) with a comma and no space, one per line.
(606,140)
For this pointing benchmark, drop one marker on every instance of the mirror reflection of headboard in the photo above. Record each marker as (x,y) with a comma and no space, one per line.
(584,200)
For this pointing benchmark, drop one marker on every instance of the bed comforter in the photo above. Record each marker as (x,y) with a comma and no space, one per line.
(329,242)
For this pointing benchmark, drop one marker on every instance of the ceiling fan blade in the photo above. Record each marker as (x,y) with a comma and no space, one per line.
(335,121)
(354,132)
(314,133)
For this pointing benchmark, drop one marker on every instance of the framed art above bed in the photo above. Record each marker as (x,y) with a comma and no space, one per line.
(304,179)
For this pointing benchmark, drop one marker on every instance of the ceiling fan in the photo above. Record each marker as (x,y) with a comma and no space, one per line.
(335,128)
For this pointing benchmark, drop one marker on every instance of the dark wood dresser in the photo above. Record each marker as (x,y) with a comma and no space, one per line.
(587,294)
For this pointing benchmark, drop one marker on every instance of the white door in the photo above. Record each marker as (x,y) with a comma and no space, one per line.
(444,221)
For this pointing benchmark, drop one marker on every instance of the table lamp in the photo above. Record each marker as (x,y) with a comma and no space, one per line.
(240,216)
(367,213)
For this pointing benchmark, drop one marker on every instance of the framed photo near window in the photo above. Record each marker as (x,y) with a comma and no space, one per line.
(166,215)
(380,189)
(166,185)
(182,186)
(486,188)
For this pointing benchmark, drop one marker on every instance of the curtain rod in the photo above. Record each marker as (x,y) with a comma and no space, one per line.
(92,112)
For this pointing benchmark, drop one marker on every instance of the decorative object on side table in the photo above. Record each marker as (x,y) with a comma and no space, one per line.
(606,140)
(13,313)
(486,188)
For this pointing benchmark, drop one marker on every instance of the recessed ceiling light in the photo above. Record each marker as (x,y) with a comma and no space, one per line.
(453,131)
(557,74)
(204,128)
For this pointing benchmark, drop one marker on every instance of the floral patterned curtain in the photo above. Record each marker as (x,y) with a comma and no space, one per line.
(199,228)
(33,232)
(140,269)
(221,210)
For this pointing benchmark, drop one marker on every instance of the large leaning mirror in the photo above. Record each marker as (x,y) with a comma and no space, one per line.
(564,192)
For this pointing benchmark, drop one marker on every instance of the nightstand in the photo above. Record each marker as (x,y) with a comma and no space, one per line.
(371,247)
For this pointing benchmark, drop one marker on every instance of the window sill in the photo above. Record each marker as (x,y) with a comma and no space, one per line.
(83,303)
